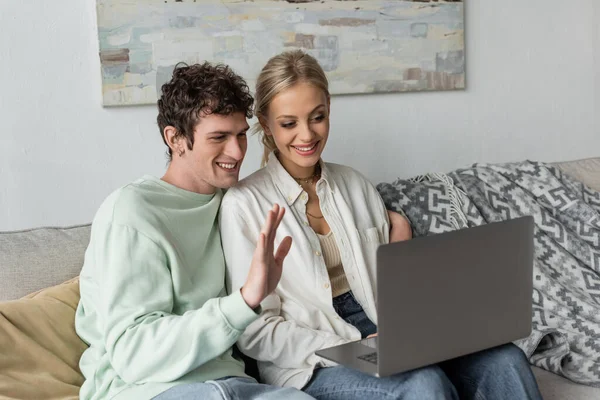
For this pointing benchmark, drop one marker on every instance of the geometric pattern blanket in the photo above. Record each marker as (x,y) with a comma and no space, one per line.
(566,297)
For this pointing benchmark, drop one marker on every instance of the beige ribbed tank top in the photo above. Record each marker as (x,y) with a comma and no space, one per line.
(333,261)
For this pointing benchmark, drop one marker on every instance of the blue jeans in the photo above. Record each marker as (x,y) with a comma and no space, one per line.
(231,389)
(499,373)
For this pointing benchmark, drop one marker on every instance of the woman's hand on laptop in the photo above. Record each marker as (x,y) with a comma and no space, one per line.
(400,229)
(266,268)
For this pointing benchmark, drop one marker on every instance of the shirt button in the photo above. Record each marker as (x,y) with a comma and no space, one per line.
(306,223)
(318,253)
(304,196)
(326,286)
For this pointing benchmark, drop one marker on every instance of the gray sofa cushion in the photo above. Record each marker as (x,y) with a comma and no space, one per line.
(36,259)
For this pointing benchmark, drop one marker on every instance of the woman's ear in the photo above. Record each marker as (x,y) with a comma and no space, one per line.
(263,123)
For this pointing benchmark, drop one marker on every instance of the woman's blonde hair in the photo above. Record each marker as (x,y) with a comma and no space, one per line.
(281,73)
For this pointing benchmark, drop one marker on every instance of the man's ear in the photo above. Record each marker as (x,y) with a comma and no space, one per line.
(263,123)
(173,140)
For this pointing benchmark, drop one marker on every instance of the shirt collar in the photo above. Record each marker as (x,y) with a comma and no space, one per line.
(287,185)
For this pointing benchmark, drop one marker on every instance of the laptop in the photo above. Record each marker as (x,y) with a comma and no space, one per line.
(444,296)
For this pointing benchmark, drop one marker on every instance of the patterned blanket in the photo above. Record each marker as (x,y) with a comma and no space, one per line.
(566,296)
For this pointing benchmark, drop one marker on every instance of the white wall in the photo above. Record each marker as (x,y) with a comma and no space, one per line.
(533,74)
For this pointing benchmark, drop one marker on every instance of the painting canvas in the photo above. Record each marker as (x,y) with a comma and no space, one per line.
(368,46)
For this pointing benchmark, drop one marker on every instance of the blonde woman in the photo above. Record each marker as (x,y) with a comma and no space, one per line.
(326,295)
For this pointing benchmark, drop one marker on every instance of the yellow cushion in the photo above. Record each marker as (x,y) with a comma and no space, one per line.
(39,349)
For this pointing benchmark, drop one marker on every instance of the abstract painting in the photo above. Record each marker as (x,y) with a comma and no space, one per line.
(365,46)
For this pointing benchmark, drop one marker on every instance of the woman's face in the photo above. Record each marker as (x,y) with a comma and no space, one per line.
(298,120)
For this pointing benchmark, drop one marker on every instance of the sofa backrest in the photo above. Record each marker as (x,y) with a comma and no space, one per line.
(34,259)
(587,171)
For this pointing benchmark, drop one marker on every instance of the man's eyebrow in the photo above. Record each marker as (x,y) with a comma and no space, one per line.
(219,133)
(227,132)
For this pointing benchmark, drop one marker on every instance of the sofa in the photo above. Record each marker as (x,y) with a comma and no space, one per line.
(39,292)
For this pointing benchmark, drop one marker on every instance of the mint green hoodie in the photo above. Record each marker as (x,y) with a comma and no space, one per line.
(153,305)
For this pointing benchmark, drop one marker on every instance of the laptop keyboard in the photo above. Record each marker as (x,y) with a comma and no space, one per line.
(371,357)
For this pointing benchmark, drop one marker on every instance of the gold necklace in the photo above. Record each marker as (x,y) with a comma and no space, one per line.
(310,179)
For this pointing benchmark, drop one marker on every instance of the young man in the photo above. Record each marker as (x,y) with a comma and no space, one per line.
(153,304)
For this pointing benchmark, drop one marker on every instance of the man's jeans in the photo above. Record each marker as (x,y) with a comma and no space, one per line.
(231,389)
(499,373)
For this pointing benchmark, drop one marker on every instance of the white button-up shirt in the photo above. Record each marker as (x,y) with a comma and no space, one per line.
(298,318)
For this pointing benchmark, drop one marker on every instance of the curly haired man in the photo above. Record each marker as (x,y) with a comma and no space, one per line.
(153,306)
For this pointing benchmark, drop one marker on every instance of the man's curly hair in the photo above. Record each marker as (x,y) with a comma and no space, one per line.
(200,89)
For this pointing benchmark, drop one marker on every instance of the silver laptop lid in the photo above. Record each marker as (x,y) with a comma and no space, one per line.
(447,295)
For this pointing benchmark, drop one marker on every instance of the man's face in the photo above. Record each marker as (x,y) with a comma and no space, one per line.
(220,145)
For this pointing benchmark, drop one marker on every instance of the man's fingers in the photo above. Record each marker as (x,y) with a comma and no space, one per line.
(269,229)
(261,241)
(272,228)
(260,246)
(266,229)
(279,218)
(283,250)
